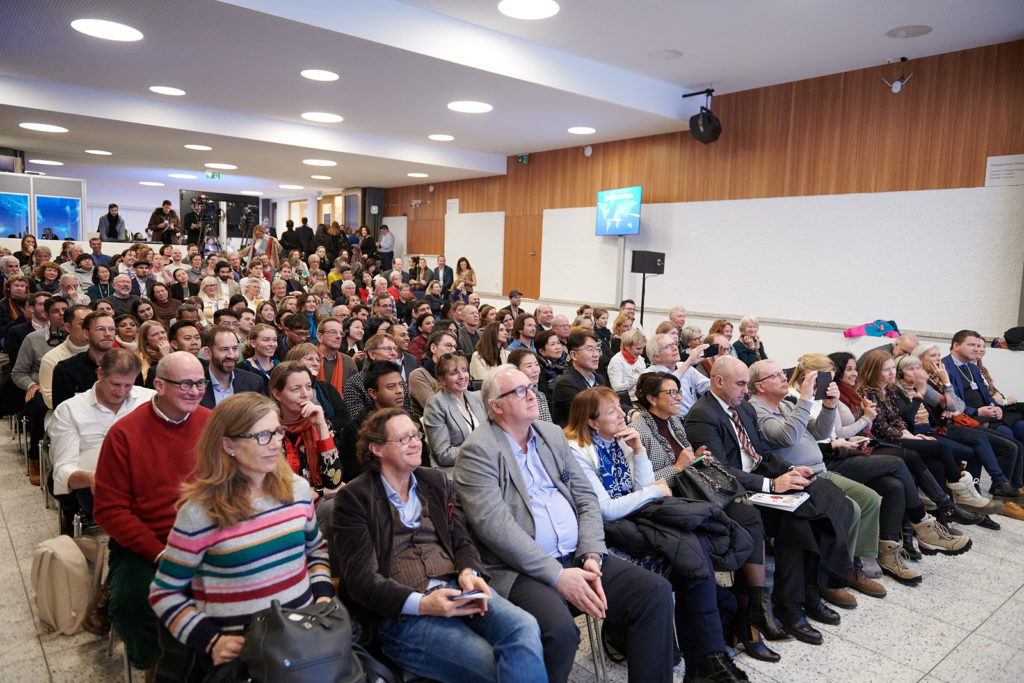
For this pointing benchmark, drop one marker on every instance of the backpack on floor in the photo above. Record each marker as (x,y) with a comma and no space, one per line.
(65,576)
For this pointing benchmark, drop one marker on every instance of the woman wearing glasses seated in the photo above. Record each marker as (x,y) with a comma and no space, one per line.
(325,393)
(245,521)
(450,415)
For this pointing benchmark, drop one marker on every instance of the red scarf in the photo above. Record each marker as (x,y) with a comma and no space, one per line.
(309,437)
(851,398)
(337,377)
(629,358)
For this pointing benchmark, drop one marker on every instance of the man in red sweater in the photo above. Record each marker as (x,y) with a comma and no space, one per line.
(144,460)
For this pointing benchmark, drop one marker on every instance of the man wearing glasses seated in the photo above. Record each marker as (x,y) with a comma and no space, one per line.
(663,352)
(538,526)
(145,458)
(584,357)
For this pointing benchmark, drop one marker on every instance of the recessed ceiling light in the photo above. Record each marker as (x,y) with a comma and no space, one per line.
(99,152)
(582,130)
(320,177)
(912,31)
(166,90)
(43,127)
(291,187)
(319,75)
(199,148)
(470,107)
(319,162)
(251,193)
(221,167)
(107,30)
(665,55)
(322,117)
(150,183)
(182,176)
(528,9)
(45,162)
(417,175)
(441,137)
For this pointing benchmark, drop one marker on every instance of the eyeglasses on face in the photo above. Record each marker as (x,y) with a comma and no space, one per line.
(674,393)
(520,391)
(188,384)
(262,438)
(777,373)
(405,439)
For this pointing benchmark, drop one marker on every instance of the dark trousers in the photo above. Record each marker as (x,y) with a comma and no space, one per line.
(36,411)
(748,517)
(129,611)
(1009,453)
(937,457)
(387,259)
(639,599)
(888,476)
(984,454)
(698,622)
(794,567)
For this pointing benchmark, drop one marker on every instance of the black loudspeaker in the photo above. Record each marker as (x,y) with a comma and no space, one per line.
(650,262)
(705,126)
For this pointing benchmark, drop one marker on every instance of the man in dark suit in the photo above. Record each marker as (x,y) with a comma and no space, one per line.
(538,524)
(305,235)
(584,357)
(444,274)
(142,280)
(810,543)
(396,267)
(220,346)
(38,320)
(289,238)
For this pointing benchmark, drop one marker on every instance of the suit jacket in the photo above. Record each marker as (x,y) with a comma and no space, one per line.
(492,491)
(447,427)
(305,236)
(137,291)
(570,383)
(362,525)
(242,381)
(957,380)
(446,277)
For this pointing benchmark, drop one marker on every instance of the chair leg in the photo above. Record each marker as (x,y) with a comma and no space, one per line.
(596,649)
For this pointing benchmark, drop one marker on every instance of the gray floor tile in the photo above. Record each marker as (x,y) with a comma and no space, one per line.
(981,659)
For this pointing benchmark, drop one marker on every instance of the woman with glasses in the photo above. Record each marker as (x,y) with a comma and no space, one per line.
(450,415)
(613,459)
(259,352)
(528,364)
(246,521)
(491,351)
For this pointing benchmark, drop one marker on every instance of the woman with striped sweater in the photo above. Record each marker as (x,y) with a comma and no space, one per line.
(245,535)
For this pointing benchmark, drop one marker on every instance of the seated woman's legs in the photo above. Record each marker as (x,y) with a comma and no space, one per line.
(698,625)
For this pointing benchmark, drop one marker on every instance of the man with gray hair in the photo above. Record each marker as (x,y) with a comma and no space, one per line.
(542,536)
(9,267)
(69,287)
(122,298)
(903,345)
(663,353)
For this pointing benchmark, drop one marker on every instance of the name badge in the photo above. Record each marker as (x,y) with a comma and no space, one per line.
(974,386)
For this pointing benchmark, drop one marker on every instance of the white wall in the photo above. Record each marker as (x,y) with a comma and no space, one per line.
(480,237)
(398,226)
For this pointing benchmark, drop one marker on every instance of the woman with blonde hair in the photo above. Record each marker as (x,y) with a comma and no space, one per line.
(626,366)
(246,521)
(260,349)
(152,345)
(209,295)
(748,347)
(452,413)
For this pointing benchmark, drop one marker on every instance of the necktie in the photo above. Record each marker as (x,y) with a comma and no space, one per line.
(744,440)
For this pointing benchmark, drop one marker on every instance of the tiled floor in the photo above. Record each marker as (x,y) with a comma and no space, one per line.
(965,623)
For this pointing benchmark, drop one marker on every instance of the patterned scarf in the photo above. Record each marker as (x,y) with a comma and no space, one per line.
(612,466)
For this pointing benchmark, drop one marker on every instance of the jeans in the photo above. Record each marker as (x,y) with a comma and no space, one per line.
(866,507)
(984,455)
(503,644)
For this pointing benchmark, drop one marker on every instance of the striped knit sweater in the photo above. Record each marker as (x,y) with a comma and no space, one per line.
(212,580)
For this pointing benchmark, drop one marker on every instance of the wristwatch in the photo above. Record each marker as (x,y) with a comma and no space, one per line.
(597,557)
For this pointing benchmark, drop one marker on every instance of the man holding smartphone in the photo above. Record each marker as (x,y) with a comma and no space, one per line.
(663,352)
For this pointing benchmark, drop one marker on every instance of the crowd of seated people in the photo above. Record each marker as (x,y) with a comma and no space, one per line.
(386,415)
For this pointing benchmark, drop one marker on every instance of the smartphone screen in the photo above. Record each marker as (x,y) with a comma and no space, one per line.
(821,390)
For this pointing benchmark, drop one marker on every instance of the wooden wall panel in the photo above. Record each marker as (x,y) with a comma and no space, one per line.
(425,236)
(522,258)
(838,134)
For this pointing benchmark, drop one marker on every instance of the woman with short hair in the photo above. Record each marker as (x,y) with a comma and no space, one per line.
(626,366)
(451,414)
(748,347)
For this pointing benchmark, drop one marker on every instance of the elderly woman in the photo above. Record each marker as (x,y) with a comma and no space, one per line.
(491,351)
(46,278)
(262,243)
(626,366)
(246,520)
(450,415)
(251,288)
(748,347)
(70,289)
(209,294)
(528,364)
(612,457)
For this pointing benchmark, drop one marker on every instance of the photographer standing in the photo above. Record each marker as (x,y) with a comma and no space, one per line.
(164,223)
(193,225)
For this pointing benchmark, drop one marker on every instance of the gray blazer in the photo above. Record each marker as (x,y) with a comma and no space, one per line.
(447,427)
(490,488)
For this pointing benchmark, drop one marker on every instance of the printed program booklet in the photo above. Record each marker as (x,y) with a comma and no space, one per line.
(780,501)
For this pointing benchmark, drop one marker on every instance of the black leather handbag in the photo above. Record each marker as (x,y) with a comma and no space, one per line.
(711,482)
(312,644)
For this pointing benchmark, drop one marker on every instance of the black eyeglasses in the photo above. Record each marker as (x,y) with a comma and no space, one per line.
(674,393)
(188,384)
(262,438)
(520,391)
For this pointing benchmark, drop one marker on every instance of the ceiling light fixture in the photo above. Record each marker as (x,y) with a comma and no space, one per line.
(582,130)
(319,75)
(530,10)
(417,175)
(291,187)
(199,148)
(221,167)
(912,31)
(166,90)
(470,107)
(319,162)
(150,183)
(99,152)
(107,30)
(322,117)
(43,127)
(181,176)
(441,137)
(45,162)
(320,177)
(251,193)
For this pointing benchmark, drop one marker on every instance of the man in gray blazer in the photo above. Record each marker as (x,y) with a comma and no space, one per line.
(538,526)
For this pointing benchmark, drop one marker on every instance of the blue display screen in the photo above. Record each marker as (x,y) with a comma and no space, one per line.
(58,217)
(13,214)
(618,211)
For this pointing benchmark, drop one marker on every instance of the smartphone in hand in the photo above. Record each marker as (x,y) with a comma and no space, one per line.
(712,350)
(821,387)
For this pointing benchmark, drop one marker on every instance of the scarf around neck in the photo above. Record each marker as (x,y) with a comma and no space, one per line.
(612,466)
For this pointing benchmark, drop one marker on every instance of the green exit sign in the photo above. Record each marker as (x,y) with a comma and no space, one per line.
(523,159)
(213,175)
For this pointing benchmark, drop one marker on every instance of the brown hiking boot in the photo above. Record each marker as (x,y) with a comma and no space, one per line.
(33,472)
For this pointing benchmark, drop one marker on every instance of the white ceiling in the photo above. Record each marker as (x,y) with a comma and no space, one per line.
(596,63)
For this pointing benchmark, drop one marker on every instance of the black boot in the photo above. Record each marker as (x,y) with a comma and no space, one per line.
(816,609)
(750,638)
(908,542)
(761,617)
(718,667)
(953,513)
(792,619)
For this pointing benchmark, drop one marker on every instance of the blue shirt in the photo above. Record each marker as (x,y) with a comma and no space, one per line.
(557,530)
(221,394)
(409,513)
(520,345)
(100,259)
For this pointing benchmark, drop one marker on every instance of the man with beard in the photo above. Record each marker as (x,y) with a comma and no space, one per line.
(220,346)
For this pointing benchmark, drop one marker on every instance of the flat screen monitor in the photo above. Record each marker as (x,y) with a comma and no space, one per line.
(58,217)
(618,211)
(13,214)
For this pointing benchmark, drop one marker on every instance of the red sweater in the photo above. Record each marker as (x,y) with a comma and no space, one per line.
(142,464)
